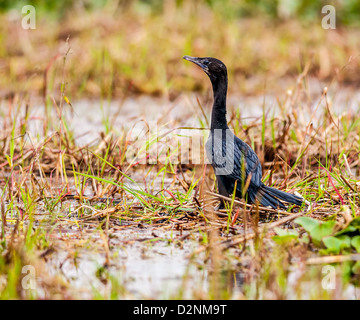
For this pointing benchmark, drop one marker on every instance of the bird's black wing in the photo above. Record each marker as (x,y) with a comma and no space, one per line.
(252,168)
(227,156)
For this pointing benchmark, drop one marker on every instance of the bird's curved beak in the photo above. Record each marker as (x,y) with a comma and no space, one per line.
(197,61)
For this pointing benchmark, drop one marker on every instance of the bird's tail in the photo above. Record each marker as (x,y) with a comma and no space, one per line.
(269,196)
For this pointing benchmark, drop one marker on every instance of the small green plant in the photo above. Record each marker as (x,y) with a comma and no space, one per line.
(285,236)
(327,234)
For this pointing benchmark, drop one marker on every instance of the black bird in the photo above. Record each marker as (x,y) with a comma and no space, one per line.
(227,153)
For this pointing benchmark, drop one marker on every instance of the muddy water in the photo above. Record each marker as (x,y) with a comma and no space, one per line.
(143,268)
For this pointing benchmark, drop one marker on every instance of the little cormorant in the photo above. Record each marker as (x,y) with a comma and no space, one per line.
(227,152)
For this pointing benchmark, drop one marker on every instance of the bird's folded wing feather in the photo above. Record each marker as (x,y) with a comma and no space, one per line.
(252,163)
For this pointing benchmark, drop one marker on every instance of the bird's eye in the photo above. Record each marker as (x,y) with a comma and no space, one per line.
(206,62)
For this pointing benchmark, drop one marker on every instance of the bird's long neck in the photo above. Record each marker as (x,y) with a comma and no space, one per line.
(218,115)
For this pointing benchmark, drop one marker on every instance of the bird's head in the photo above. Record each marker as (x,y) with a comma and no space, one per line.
(214,68)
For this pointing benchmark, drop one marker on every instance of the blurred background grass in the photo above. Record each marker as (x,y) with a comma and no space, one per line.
(122,47)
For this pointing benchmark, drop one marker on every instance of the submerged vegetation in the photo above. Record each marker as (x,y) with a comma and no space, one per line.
(74,216)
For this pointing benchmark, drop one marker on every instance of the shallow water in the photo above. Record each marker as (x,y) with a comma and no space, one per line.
(144,268)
